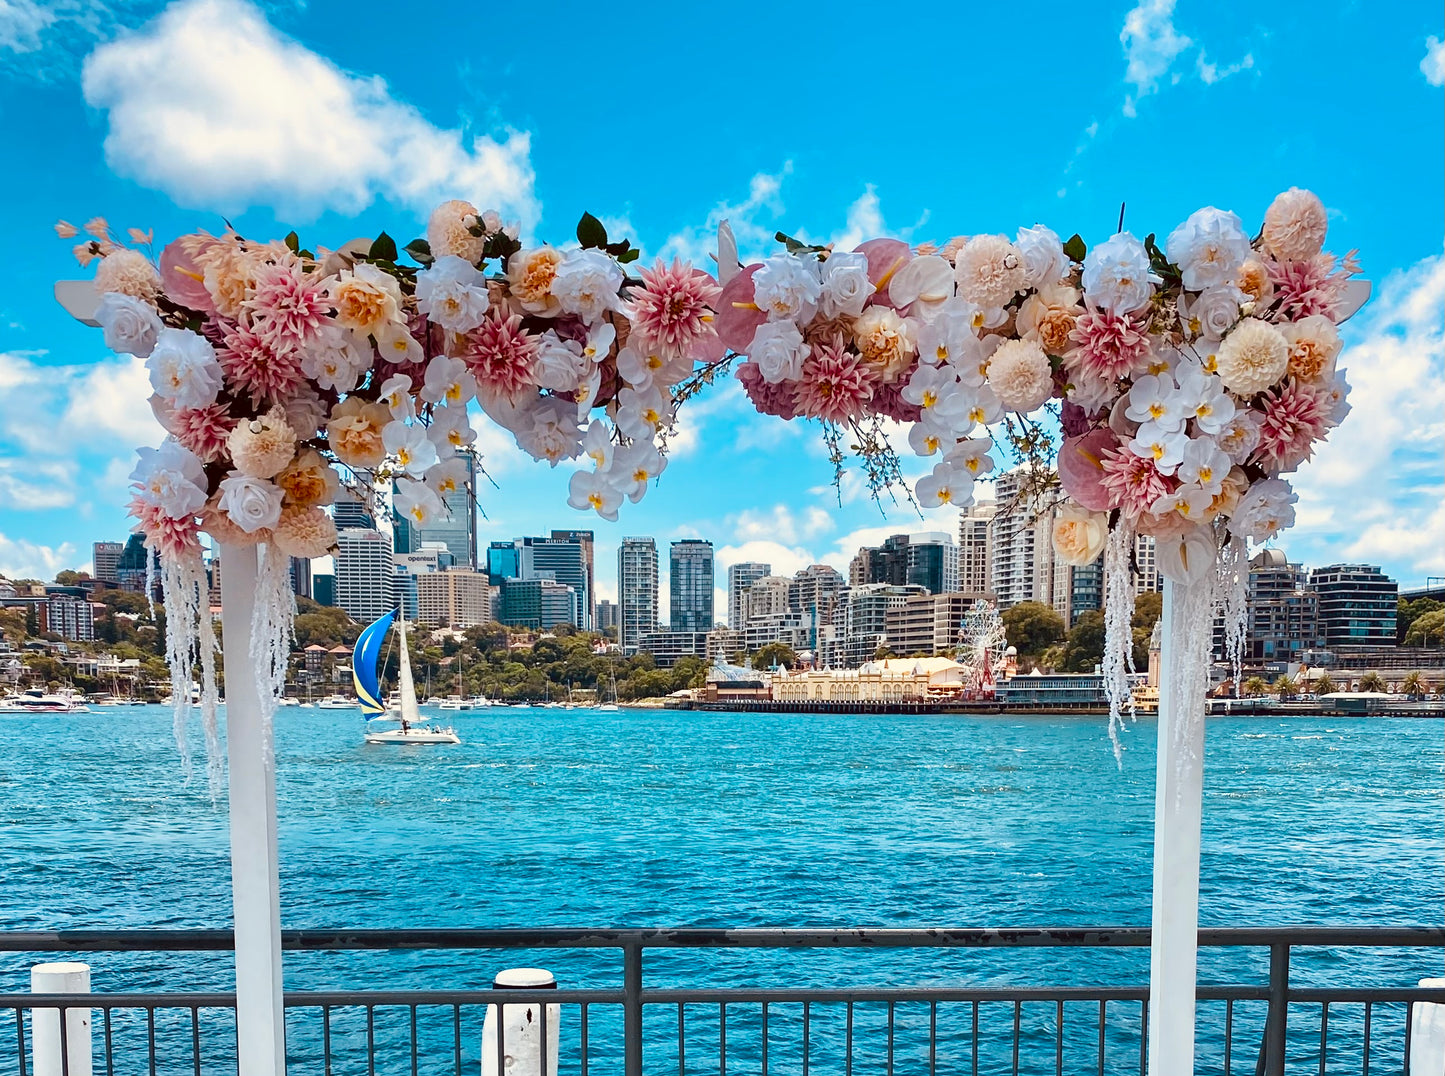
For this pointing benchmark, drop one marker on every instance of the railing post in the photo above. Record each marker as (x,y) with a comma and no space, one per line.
(1272,1050)
(632,1008)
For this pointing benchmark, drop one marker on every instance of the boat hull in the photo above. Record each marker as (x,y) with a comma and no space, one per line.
(416,736)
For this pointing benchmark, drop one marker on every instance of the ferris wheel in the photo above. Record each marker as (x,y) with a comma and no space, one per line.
(982,642)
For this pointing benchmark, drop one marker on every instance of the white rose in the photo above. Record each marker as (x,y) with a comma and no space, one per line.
(779,351)
(184,368)
(786,287)
(171,478)
(251,503)
(846,286)
(1079,535)
(587,284)
(1265,509)
(1043,255)
(1209,248)
(453,294)
(1117,276)
(559,362)
(1212,312)
(131,326)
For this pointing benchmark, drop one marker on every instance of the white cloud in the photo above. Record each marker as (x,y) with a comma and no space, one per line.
(784,559)
(29,485)
(62,410)
(1374,490)
(865,221)
(20,559)
(21,24)
(755,238)
(211,105)
(1152,45)
(781,524)
(1433,65)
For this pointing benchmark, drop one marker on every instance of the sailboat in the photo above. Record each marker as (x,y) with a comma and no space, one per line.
(459,701)
(364,673)
(610,703)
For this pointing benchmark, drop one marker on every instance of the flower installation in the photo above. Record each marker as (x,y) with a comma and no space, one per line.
(1180,385)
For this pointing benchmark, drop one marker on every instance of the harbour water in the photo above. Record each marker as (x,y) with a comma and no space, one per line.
(555,817)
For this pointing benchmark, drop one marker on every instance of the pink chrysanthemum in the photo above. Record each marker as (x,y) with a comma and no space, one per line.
(888,399)
(288,308)
(252,366)
(835,385)
(1307,287)
(768,397)
(1133,483)
(1295,417)
(170,537)
(204,430)
(674,311)
(501,355)
(1109,345)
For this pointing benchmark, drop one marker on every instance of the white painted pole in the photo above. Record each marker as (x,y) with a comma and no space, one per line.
(48,1059)
(521,1047)
(1178,790)
(255,865)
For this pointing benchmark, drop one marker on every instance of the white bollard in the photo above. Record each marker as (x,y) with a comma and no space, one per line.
(49,1059)
(1427,1034)
(522,1037)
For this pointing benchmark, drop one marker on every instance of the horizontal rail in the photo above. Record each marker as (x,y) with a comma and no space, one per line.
(708,938)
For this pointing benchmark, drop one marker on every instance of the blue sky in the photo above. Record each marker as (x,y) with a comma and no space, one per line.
(341,119)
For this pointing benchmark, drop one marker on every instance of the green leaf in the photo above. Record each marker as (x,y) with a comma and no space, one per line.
(590,231)
(383,248)
(293,242)
(629,256)
(501,246)
(1075,248)
(420,251)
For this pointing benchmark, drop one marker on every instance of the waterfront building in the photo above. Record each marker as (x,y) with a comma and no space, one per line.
(864,613)
(928,559)
(891,681)
(323,588)
(723,642)
(136,561)
(814,593)
(637,591)
(1022,567)
(669,647)
(606,617)
(975,548)
(1283,612)
(67,612)
(457,597)
(104,560)
(740,577)
(349,512)
(364,573)
(690,585)
(1357,604)
(927,624)
(540,604)
(1054,690)
(587,541)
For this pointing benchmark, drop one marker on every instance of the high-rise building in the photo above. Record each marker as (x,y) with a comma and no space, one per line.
(104,559)
(364,573)
(1086,589)
(504,561)
(927,624)
(864,613)
(67,612)
(813,594)
(409,568)
(690,585)
(131,569)
(1023,568)
(586,539)
(453,598)
(301,577)
(539,604)
(668,647)
(1357,604)
(606,619)
(563,560)
(975,548)
(1283,613)
(741,576)
(455,527)
(323,588)
(636,590)
(929,560)
(348,512)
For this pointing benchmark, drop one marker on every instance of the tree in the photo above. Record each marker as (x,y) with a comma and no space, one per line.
(68,578)
(1254,687)
(1032,627)
(1371,681)
(1413,686)
(1085,646)
(1285,687)
(1407,612)
(1427,628)
(770,654)
(1324,685)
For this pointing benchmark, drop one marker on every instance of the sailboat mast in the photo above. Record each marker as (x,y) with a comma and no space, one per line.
(410,714)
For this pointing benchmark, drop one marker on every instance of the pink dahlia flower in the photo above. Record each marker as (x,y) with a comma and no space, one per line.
(674,309)
(835,385)
(1307,287)
(1133,483)
(203,430)
(1295,417)
(253,367)
(770,398)
(288,308)
(501,355)
(170,537)
(1109,345)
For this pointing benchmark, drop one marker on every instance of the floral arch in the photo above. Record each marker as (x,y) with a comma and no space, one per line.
(1157,390)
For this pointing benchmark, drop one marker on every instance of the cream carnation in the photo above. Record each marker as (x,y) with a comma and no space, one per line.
(262,446)
(1252,357)
(1079,535)
(990,271)
(128,272)
(308,480)
(449,231)
(367,300)
(305,532)
(531,274)
(885,341)
(1048,316)
(1254,281)
(227,274)
(354,432)
(1314,344)
(1020,376)
(1295,225)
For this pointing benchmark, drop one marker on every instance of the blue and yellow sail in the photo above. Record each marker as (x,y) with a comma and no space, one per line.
(364,666)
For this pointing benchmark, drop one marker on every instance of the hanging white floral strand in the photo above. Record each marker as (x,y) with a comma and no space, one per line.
(272,627)
(1233,577)
(210,699)
(1189,660)
(1118,630)
(182,586)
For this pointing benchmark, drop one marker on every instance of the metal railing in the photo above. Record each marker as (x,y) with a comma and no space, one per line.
(692,1028)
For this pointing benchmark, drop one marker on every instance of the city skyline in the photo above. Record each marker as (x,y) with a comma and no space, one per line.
(759,488)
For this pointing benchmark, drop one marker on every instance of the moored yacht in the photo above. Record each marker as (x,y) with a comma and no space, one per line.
(37,701)
(410,729)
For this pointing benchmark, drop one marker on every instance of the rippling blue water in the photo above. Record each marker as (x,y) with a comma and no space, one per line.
(582,818)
